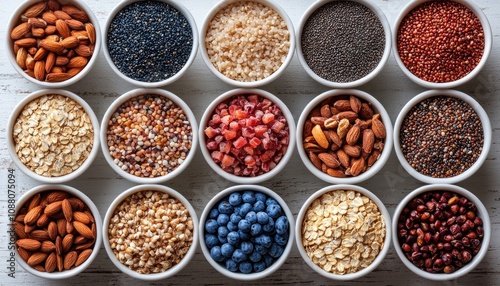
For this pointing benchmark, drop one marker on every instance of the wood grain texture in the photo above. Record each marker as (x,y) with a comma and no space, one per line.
(198,87)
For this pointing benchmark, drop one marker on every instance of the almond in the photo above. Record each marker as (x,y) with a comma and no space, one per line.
(42,221)
(47,246)
(61,226)
(349,115)
(69,227)
(368,140)
(40,54)
(352,151)
(89,27)
(318,120)
(61,61)
(325,111)
(59,247)
(20,31)
(58,77)
(63,28)
(54,5)
(35,9)
(374,156)
(70,259)
(83,256)
(329,160)
(39,234)
(30,62)
(378,127)
(29,244)
(343,128)
(334,137)
(55,69)
(19,230)
(83,229)
(53,208)
(21,56)
(51,262)
(336,173)
(26,42)
(49,17)
(75,24)
(357,166)
(37,22)
(79,240)
(344,158)
(38,32)
(33,215)
(61,15)
(83,50)
(342,105)
(90,215)
(366,111)
(75,13)
(50,29)
(67,242)
(81,217)
(52,46)
(315,160)
(86,245)
(74,71)
(355,103)
(353,135)
(50,61)
(70,42)
(52,230)
(23,253)
(37,258)
(60,263)
(77,62)
(320,137)
(56,196)
(67,210)
(308,126)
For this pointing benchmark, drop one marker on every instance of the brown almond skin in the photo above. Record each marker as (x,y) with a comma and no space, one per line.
(70,259)
(33,215)
(52,230)
(378,127)
(357,166)
(83,229)
(83,256)
(47,246)
(29,244)
(35,9)
(53,208)
(329,160)
(56,196)
(51,262)
(67,210)
(81,217)
(19,230)
(67,242)
(37,258)
(368,141)
(20,30)
(336,173)
(344,158)
(355,103)
(353,135)
(39,234)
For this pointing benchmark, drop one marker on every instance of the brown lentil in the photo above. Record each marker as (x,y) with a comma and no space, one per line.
(441,137)
(247,41)
(440,232)
(440,41)
(150,232)
(149,136)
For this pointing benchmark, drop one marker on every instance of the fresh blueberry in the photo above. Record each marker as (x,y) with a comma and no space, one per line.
(245,267)
(232,226)
(222,219)
(231,265)
(259,206)
(211,240)
(268,259)
(233,238)
(225,208)
(246,247)
(259,266)
(273,210)
(227,250)
(213,214)
(235,199)
(222,239)
(255,256)
(260,197)
(222,231)
(281,239)
(269,227)
(281,225)
(239,256)
(244,225)
(260,249)
(275,250)
(251,217)
(262,217)
(245,208)
(264,240)
(234,218)
(211,226)
(271,201)
(216,254)
(248,197)
(255,229)
(244,236)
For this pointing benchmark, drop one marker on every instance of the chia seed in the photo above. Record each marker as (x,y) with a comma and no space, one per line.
(149,41)
(441,137)
(343,41)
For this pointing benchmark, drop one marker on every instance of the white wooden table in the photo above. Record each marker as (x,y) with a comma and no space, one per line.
(199,183)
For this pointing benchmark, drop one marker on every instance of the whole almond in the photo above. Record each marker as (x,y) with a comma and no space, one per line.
(50,61)
(75,13)
(368,140)
(19,230)
(60,262)
(53,208)
(52,230)
(35,9)
(320,137)
(40,54)
(39,234)
(75,24)
(366,111)
(355,103)
(83,50)
(343,128)
(54,5)
(81,217)
(37,258)
(67,242)
(315,160)
(52,46)
(55,69)
(29,244)
(38,32)
(51,262)
(83,256)
(352,151)
(37,22)
(308,126)
(50,29)
(80,240)
(77,62)
(83,229)
(69,227)
(21,56)
(23,253)
(334,137)
(49,17)
(325,111)
(374,156)
(56,196)
(43,220)
(61,61)
(336,173)
(62,27)
(74,71)
(26,42)
(353,135)
(378,127)
(33,215)
(344,158)
(86,245)
(61,15)
(59,246)
(70,42)
(34,201)
(58,77)
(61,226)
(30,63)
(70,259)
(357,166)
(342,105)
(90,215)
(349,115)
(47,246)
(20,31)
(330,160)
(67,210)
(89,27)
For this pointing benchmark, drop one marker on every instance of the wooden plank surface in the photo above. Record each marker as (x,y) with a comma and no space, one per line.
(198,87)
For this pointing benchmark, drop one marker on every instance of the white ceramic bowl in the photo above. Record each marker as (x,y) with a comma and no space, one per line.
(174,269)
(383,251)
(377,108)
(11,145)
(247,84)
(482,212)
(129,96)
(181,8)
(487,131)
(488,36)
(385,56)
(242,179)
(254,275)
(16,19)
(25,199)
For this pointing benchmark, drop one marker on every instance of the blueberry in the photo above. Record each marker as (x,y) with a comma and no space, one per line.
(216,254)
(222,239)
(255,229)
(275,250)
(211,240)
(259,206)
(260,197)
(269,227)
(239,256)
(281,239)
(259,266)
(245,267)
(273,210)
(234,218)
(248,197)
(231,265)
(255,256)
(264,240)
(222,219)
(232,226)
(251,217)
(262,217)
(281,225)
(260,249)
(244,225)
(246,247)
(233,238)
(271,201)
(227,250)
(225,208)
(245,208)
(235,199)
(222,231)
(268,259)
(213,214)
(211,226)
(244,236)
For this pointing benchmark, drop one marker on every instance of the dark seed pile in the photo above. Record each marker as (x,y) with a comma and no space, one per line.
(441,137)
(343,41)
(149,41)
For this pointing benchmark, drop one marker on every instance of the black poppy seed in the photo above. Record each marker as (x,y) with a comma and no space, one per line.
(149,41)
(343,41)
(441,137)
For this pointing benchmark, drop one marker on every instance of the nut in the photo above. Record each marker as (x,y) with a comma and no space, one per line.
(329,160)
(320,137)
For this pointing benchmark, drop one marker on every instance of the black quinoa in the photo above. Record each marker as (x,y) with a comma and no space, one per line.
(149,41)
(441,137)
(343,41)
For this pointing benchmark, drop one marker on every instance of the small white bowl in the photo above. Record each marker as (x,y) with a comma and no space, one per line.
(487,131)
(241,179)
(247,84)
(482,212)
(185,12)
(377,108)
(25,199)
(11,145)
(174,269)
(254,275)
(385,56)
(488,37)
(16,19)
(387,238)
(129,96)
